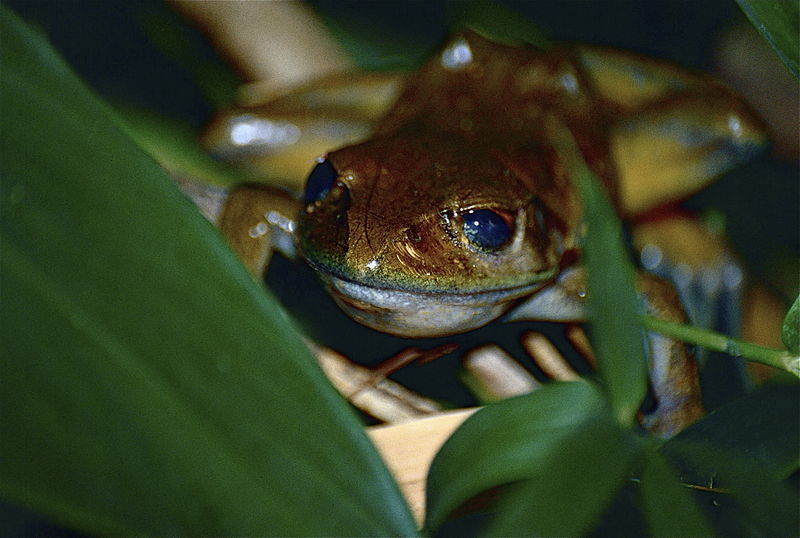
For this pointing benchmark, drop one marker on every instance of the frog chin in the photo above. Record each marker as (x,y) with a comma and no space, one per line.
(422,314)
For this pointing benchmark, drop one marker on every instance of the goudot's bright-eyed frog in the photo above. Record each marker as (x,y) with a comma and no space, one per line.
(458,208)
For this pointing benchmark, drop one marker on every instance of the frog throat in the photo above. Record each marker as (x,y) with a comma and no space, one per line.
(421,313)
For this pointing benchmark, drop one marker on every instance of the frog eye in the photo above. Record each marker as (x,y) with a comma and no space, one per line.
(320,181)
(486,229)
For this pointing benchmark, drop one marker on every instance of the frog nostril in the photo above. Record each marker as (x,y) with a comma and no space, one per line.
(320,181)
(486,229)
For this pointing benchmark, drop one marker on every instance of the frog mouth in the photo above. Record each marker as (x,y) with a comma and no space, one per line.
(416,314)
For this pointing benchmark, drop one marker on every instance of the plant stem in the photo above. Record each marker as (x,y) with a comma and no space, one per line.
(777,358)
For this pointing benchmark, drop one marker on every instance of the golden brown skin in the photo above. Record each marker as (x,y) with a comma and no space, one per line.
(422,170)
(389,226)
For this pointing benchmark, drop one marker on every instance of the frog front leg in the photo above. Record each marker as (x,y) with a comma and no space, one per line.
(673,371)
(277,138)
(256,220)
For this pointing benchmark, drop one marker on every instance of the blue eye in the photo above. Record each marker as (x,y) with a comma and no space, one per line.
(320,181)
(486,229)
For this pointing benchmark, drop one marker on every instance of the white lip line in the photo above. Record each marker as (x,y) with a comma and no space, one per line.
(346,287)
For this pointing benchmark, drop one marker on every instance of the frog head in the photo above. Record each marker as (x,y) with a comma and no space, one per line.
(425,236)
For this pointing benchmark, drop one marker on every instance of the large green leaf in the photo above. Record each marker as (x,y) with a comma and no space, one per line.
(668,505)
(149,385)
(574,485)
(176,147)
(779,23)
(746,449)
(746,498)
(508,441)
(762,427)
(612,300)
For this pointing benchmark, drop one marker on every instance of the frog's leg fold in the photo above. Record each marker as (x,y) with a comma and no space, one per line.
(673,372)
(677,130)
(279,137)
(676,148)
(258,219)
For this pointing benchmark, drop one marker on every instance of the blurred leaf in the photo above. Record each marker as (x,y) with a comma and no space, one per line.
(574,485)
(790,332)
(612,301)
(176,146)
(150,386)
(668,505)
(762,427)
(507,441)
(779,23)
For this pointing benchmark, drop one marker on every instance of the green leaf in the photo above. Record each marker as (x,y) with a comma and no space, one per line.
(612,300)
(747,499)
(762,427)
(668,505)
(574,485)
(779,23)
(149,385)
(507,441)
(175,145)
(790,332)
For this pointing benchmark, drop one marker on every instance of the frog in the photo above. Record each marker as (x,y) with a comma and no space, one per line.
(445,201)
